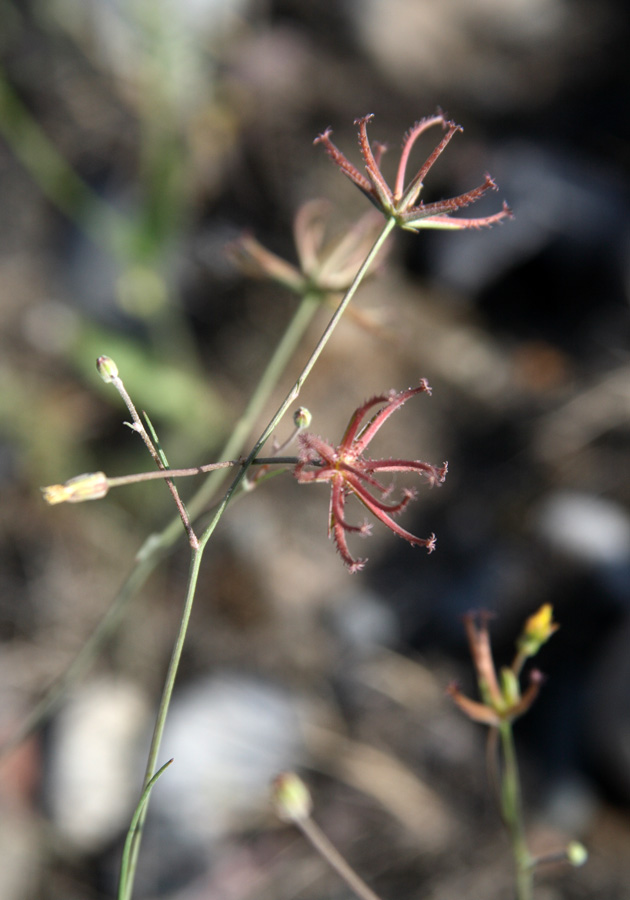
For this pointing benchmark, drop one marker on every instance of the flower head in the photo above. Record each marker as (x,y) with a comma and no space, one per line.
(402,203)
(350,472)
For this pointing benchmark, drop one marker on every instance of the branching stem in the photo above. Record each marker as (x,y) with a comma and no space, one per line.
(138,426)
(126,889)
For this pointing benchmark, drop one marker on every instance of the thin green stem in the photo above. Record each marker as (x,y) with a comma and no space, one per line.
(126,888)
(519,661)
(144,799)
(512,809)
(277,366)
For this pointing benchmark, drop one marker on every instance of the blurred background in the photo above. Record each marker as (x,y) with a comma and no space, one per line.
(137,139)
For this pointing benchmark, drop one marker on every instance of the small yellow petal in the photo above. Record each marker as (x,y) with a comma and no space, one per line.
(55,493)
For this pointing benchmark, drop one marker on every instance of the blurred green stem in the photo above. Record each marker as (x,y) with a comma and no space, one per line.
(512,809)
(56,179)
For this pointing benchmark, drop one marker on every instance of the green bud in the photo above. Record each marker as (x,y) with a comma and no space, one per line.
(107,369)
(291,798)
(302,417)
(577,854)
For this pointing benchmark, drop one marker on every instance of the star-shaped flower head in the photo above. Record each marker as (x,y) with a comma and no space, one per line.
(350,472)
(401,203)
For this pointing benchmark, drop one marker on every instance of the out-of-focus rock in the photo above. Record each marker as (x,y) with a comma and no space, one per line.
(229,735)
(587,528)
(93,772)
(498,52)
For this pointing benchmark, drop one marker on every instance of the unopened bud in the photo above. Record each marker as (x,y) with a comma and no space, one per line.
(302,417)
(91,486)
(107,369)
(291,798)
(577,854)
(538,629)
